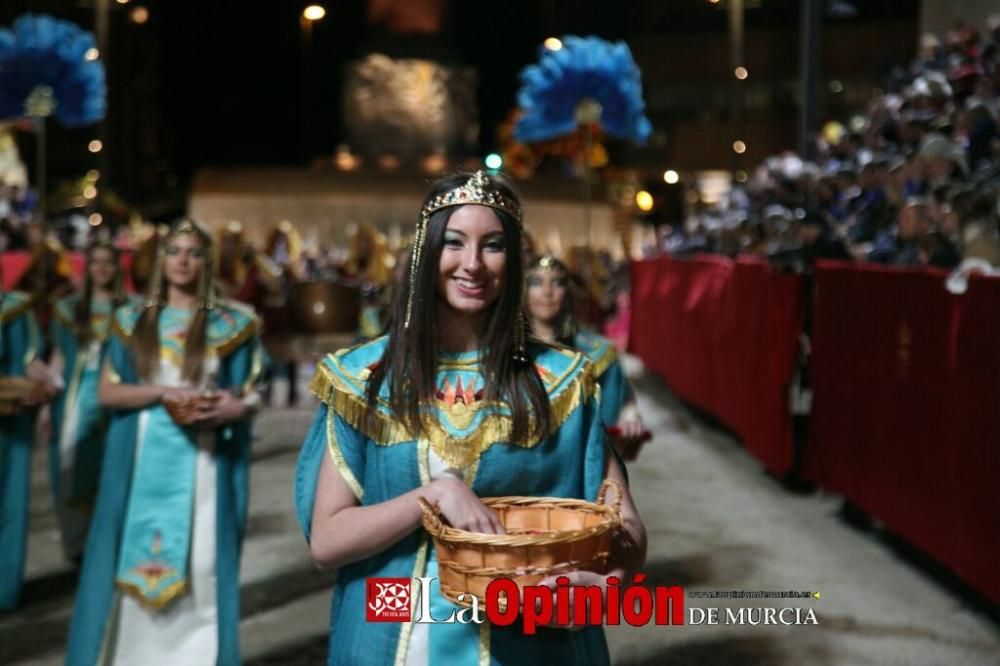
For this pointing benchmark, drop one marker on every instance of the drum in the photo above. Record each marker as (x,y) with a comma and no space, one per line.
(324,306)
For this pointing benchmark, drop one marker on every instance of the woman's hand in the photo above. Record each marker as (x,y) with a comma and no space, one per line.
(460,507)
(631,432)
(224,407)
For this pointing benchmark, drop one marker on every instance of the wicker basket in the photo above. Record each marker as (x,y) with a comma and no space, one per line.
(546,536)
(17,393)
(185,410)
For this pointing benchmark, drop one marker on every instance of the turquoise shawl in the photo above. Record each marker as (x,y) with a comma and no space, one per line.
(19,344)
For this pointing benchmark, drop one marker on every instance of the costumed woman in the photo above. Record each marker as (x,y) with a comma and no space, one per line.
(370,262)
(25,383)
(452,405)
(159,583)
(550,312)
(80,328)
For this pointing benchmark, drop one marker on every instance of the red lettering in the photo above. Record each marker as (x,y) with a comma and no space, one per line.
(502,592)
(537,608)
(588,600)
(674,595)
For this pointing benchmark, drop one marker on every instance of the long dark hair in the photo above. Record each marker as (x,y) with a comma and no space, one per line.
(146,339)
(81,313)
(410,360)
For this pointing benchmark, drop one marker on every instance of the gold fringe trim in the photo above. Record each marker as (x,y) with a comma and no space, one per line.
(17,309)
(158,602)
(221,349)
(337,457)
(457,451)
(605,360)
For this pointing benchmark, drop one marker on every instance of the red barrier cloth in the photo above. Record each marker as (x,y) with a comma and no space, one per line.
(723,334)
(906,409)
(14,264)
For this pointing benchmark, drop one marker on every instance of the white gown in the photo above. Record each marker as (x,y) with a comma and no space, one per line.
(186,630)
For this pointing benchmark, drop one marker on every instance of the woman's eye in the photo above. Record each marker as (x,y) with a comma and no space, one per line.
(496,246)
(534,282)
(453,242)
(173,251)
(197,254)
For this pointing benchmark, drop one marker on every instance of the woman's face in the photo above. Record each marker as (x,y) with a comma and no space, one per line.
(473,260)
(546,295)
(102,267)
(184,262)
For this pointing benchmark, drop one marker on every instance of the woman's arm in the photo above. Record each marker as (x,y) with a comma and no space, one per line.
(344,532)
(118,395)
(628,549)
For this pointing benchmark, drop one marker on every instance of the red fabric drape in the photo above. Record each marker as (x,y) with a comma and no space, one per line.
(906,409)
(14,264)
(723,334)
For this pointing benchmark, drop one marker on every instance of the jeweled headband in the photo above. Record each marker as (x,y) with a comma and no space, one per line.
(478,190)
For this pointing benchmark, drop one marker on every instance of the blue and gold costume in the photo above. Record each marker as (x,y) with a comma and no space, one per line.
(77,443)
(380,460)
(615,388)
(141,537)
(19,345)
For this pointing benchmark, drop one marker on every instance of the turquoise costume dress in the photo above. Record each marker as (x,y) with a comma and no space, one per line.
(615,387)
(19,344)
(77,443)
(380,461)
(167,495)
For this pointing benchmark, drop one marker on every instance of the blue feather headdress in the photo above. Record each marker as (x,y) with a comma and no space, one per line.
(43,63)
(585,70)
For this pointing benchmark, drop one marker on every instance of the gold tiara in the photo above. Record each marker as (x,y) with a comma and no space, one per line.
(475,191)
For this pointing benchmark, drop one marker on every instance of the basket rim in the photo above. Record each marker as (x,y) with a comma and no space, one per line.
(453,535)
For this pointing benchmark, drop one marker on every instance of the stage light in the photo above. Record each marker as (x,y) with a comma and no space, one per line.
(91,54)
(836,86)
(95,146)
(139,15)
(493,161)
(739,147)
(313,13)
(93,175)
(741,73)
(553,44)
(670,177)
(95,219)
(741,176)
(89,192)
(644,201)
(122,2)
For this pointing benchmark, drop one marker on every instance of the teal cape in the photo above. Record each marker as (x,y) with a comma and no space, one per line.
(615,387)
(19,344)
(379,461)
(81,381)
(232,334)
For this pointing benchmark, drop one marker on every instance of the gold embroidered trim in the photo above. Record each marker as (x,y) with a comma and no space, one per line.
(456,451)
(337,457)
(423,464)
(158,602)
(222,349)
(17,309)
(484,644)
(606,359)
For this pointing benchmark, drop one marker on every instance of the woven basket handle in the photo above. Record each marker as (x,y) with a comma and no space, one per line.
(617,487)
(432,518)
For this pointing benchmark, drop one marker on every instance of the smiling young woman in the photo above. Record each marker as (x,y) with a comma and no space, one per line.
(452,405)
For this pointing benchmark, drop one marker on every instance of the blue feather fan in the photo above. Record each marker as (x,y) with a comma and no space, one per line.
(42,51)
(585,68)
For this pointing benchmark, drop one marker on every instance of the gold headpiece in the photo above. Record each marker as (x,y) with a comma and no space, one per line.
(547,263)
(474,191)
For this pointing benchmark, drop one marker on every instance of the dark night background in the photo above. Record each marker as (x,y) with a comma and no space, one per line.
(233,83)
